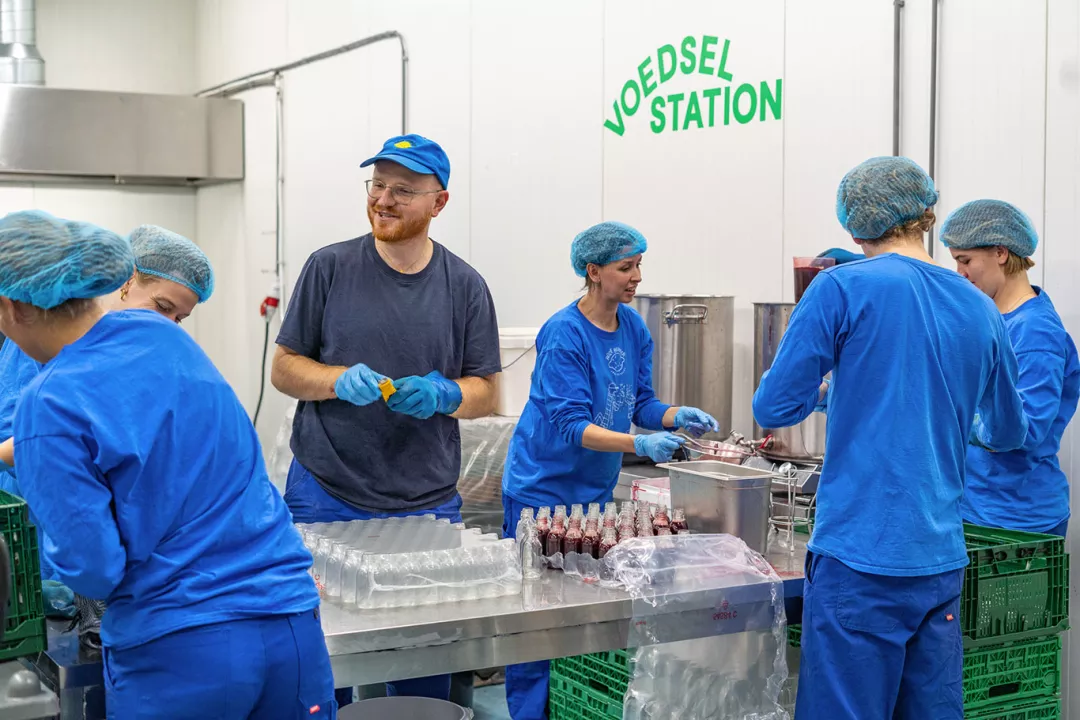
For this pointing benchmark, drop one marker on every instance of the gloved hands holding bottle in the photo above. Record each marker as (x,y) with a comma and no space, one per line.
(422,397)
(658,447)
(359,385)
(696,422)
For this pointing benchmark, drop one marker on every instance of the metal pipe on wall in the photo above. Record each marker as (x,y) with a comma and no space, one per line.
(279,189)
(264,78)
(933,105)
(898,5)
(274,78)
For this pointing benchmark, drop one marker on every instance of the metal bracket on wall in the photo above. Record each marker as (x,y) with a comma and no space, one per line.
(898,6)
(933,106)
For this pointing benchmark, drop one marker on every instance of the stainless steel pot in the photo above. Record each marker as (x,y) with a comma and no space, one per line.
(693,339)
(804,442)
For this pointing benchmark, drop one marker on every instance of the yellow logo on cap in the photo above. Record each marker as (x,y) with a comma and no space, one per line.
(403,144)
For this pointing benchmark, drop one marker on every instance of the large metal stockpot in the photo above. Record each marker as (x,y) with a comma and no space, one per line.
(804,442)
(693,339)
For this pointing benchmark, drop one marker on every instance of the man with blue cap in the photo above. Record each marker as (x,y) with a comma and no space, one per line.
(392,305)
(916,355)
(992,243)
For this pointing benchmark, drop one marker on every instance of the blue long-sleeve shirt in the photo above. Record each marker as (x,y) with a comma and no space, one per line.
(17,369)
(143,469)
(583,375)
(1025,489)
(914,350)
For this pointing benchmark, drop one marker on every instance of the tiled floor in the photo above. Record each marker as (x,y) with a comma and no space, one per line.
(489,703)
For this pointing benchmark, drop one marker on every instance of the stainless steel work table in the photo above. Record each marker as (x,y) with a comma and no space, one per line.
(555,616)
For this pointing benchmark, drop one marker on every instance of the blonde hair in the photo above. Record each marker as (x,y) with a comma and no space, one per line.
(1016,264)
(920,225)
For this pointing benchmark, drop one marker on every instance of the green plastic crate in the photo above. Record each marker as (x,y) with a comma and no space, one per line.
(1047,709)
(24,630)
(1017,671)
(794,635)
(568,700)
(1017,586)
(607,673)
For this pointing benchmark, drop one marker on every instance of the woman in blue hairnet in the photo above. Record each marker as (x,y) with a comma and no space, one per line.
(146,477)
(592,379)
(1025,489)
(171,276)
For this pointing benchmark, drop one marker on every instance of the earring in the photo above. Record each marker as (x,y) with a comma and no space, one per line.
(123,293)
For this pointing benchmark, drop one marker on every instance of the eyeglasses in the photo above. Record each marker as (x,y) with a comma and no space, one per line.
(402,195)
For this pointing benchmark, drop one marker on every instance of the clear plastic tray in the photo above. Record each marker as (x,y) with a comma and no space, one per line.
(408,561)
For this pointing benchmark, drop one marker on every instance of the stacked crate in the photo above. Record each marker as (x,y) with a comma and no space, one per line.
(1014,607)
(24,628)
(589,687)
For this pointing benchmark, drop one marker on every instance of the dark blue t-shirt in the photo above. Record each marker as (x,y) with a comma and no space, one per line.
(350,307)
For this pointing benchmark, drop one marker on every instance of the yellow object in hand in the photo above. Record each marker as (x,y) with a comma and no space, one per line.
(388,389)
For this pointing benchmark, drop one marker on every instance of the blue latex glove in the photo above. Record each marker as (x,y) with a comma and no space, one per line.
(359,385)
(823,404)
(659,447)
(422,397)
(974,435)
(841,255)
(58,598)
(696,422)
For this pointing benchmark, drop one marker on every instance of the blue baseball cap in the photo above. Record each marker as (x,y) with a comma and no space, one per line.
(415,153)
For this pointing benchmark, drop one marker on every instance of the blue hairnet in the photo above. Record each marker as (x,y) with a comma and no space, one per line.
(48,260)
(880,194)
(988,223)
(605,243)
(173,257)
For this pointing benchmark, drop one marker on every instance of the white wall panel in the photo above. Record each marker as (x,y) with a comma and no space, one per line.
(536,150)
(709,199)
(123,45)
(992,111)
(1061,259)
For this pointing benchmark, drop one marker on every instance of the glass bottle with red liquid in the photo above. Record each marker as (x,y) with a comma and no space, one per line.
(608,540)
(557,532)
(543,525)
(590,542)
(661,519)
(678,521)
(571,542)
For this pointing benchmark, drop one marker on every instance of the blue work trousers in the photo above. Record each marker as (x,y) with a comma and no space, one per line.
(309,503)
(1061,530)
(878,647)
(268,667)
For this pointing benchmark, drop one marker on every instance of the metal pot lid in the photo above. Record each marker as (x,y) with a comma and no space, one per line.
(665,296)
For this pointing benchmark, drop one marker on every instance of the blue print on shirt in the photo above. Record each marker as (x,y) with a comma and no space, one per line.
(621,396)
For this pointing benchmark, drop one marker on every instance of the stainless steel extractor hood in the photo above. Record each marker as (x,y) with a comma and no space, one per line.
(52,134)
